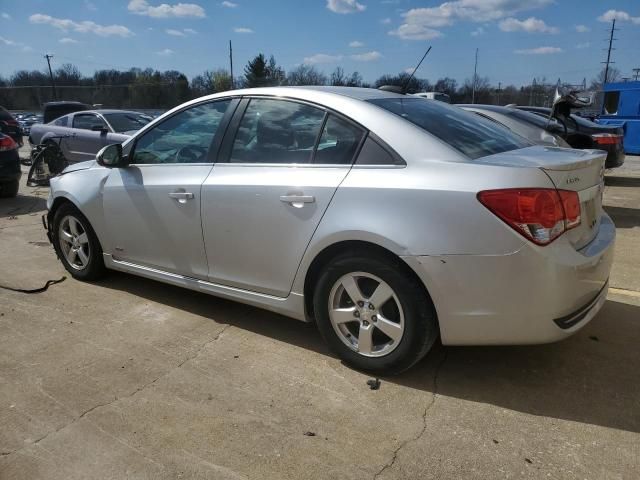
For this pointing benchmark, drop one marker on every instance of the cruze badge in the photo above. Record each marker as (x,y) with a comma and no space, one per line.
(572,180)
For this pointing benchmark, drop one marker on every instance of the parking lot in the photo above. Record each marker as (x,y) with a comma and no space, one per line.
(128,378)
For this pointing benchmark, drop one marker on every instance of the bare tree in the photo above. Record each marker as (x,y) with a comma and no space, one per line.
(306,75)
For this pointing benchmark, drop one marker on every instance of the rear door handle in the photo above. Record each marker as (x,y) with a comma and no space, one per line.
(182,197)
(297,200)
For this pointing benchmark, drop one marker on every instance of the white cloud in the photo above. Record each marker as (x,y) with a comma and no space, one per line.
(345,6)
(478,31)
(539,51)
(86,26)
(385,21)
(618,15)
(8,42)
(229,4)
(582,29)
(583,45)
(356,44)
(190,31)
(165,53)
(90,6)
(11,43)
(367,57)
(164,10)
(175,33)
(421,23)
(530,25)
(412,31)
(67,40)
(242,30)
(5,15)
(322,58)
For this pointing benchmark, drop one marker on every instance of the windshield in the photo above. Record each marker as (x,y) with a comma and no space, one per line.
(472,135)
(127,121)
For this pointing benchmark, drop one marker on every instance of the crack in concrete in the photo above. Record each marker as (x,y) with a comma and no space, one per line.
(396,452)
(136,391)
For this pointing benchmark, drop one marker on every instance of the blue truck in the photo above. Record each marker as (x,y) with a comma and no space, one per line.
(621,108)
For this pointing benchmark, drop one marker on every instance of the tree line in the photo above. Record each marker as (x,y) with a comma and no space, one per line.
(154,89)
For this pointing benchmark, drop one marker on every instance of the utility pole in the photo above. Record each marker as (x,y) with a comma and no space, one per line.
(53,84)
(499,88)
(475,79)
(611,39)
(231,64)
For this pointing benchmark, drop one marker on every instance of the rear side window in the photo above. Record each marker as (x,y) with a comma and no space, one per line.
(372,153)
(470,134)
(277,131)
(61,122)
(339,142)
(5,115)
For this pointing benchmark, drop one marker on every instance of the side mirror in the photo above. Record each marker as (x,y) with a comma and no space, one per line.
(99,128)
(111,156)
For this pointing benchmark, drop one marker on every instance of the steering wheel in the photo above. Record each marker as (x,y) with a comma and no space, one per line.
(190,154)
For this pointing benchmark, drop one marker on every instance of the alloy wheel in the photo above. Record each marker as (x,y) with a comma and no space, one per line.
(74,242)
(366,314)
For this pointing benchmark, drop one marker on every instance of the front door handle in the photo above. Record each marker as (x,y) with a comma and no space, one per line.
(182,197)
(297,201)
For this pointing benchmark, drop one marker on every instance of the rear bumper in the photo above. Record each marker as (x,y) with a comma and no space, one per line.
(615,157)
(534,295)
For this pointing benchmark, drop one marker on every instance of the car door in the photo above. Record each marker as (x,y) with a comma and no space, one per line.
(152,207)
(85,142)
(280,166)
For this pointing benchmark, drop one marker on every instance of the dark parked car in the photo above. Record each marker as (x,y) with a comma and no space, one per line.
(53,110)
(583,133)
(10,126)
(10,172)
(28,121)
(528,125)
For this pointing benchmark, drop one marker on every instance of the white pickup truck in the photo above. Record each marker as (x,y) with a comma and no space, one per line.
(87,131)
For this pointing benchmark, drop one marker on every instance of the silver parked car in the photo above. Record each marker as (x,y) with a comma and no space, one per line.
(386,219)
(86,132)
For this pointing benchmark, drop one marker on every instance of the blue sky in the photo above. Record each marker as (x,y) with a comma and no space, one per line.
(518,39)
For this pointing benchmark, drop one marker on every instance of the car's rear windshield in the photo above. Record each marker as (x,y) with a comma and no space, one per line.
(127,121)
(5,115)
(471,134)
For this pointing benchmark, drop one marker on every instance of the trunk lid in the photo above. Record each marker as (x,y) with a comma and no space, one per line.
(581,171)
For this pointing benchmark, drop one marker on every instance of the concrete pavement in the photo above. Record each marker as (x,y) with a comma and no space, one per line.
(128,378)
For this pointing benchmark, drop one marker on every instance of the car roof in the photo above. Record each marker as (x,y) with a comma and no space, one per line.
(493,108)
(103,111)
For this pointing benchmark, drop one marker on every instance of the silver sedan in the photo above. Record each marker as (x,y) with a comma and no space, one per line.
(387,220)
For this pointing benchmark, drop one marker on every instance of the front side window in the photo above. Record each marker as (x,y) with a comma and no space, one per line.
(61,122)
(127,121)
(277,131)
(611,101)
(470,134)
(88,121)
(182,138)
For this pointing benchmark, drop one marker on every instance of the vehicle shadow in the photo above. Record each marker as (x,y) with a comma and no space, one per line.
(23,204)
(592,377)
(624,217)
(610,181)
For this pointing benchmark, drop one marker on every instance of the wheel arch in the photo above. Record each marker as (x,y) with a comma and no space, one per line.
(330,252)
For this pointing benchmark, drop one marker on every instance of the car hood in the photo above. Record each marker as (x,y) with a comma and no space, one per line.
(74,167)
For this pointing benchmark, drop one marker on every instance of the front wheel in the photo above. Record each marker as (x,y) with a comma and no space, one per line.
(76,244)
(374,314)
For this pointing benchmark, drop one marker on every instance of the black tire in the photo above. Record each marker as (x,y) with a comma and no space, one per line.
(420,321)
(94,268)
(9,189)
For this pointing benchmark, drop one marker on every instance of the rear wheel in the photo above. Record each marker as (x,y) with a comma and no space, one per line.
(76,244)
(9,189)
(374,315)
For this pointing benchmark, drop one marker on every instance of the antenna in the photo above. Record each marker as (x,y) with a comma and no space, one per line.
(611,39)
(475,79)
(408,80)
(231,63)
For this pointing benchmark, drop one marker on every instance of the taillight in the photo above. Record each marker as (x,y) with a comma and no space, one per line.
(607,138)
(7,143)
(539,214)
